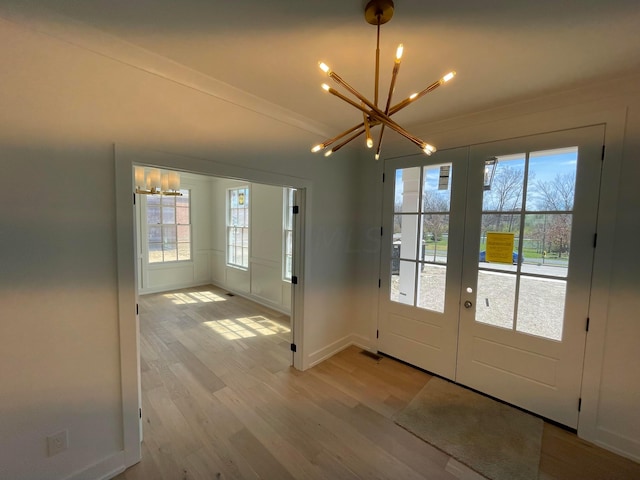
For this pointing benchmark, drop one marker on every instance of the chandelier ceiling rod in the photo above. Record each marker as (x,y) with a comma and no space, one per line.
(377,12)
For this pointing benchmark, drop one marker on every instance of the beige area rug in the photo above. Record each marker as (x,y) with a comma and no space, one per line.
(494,439)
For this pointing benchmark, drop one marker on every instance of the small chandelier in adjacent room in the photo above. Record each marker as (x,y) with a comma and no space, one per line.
(377,12)
(157,182)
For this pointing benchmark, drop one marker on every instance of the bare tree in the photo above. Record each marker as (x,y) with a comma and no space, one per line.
(505,196)
(556,195)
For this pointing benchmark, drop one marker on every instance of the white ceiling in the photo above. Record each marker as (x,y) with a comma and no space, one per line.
(503,51)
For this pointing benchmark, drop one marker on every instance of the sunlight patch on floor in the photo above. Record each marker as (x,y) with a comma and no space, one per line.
(194,297)
(246,327)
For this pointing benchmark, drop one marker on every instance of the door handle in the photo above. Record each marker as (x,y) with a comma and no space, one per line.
(468,304)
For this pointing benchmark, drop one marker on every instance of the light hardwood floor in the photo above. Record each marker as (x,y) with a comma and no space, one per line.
(220,401)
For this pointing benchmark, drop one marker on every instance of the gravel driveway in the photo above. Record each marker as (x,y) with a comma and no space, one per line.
(540,308)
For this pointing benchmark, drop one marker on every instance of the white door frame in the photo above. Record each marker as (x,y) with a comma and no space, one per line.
(125,158)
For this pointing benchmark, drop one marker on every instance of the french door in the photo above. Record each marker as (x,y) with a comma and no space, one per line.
(486,272)
(422,263)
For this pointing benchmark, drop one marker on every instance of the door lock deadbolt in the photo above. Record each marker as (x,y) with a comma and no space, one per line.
(468,304)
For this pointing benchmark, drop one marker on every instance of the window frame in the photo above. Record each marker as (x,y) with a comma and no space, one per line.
(162,204)
(243,227)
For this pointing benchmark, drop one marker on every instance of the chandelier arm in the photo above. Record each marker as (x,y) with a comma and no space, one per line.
(380,116)
(330,141)
(340,81)
(408,100)
(379,146)
(367,130)
(392,86)
(375,111)
(377,80)
(352,137)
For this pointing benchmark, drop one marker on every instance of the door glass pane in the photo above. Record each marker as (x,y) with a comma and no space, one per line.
(436,194)
(435,238)
(405,236)
(500,222)
(541,307)
(407,190)
(504,193)
(546,245)
(431,286)
(403,283)
(495,300)
(552,179)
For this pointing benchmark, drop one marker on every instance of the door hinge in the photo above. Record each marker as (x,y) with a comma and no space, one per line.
(579,403)
(382,177)
(136,309)
(380,231)
(295,209)
(134,198)
(377,333)
(294,348)
(603,150)
(588,320)
(294,280)
(595,240)
(140,412)
(379,282)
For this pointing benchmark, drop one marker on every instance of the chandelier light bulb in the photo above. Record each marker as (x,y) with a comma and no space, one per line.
(413,96)
(369,142)
(139,175)
(324,67)
(174,181)
(448,77)
(328,152)
(155,178)
(326,87)
(428,149)
(399,52)
(377,157)
(317,148)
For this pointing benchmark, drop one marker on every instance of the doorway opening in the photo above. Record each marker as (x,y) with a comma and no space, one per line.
(129,274)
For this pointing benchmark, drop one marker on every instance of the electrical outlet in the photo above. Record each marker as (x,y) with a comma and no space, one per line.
(57,443)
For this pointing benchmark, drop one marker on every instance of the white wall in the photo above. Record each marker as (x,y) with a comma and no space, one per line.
(63,108)
(611,384)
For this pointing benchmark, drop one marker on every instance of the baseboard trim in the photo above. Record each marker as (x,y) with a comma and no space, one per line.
(103,470)
(330,350)
(616,443)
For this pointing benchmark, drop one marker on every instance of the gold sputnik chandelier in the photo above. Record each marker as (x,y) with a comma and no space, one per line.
(377,12)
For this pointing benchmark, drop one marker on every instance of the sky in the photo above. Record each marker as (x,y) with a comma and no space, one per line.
(545,165)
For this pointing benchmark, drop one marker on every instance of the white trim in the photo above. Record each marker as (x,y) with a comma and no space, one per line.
(330,350)
(103,470)
(129,327)
(125,158)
